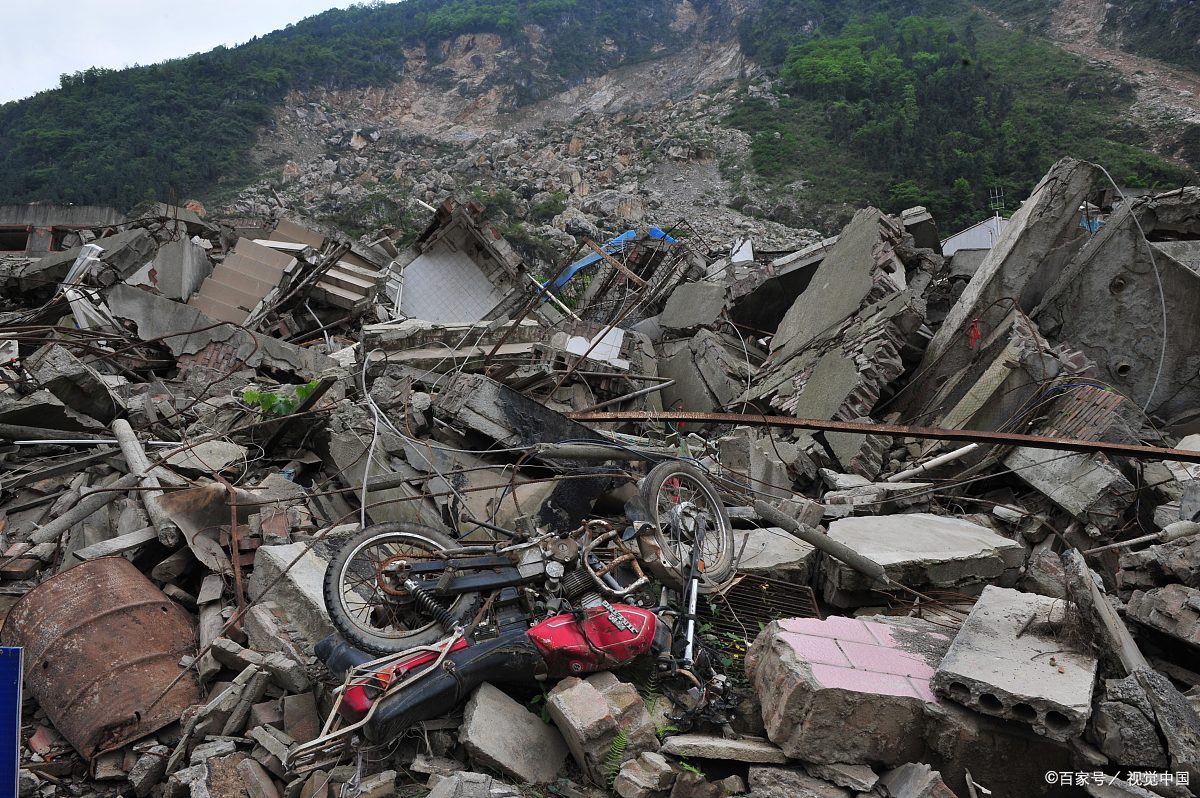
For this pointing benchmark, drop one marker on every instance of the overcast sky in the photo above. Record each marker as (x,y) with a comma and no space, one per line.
(44,40)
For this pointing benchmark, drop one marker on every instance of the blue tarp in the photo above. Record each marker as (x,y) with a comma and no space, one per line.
(611,247)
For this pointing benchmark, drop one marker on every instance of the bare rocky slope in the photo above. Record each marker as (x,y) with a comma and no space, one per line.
(643,143)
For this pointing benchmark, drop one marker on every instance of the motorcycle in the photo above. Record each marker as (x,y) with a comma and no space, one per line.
(426,619)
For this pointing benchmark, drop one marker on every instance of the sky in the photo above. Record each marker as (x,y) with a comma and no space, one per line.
(45,40)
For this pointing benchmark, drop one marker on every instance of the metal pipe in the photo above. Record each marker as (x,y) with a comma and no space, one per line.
(835,549)
(139,464)
(86,442)
(896,430)
(642,392)
(948,457)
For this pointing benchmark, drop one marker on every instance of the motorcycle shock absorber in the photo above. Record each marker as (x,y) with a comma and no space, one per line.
(428,603)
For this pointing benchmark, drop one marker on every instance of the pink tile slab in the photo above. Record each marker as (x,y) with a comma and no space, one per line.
(822,650)
(882,659)
(921,687)
(859,681)
(836,627)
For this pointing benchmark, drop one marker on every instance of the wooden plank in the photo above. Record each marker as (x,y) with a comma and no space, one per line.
(118,545)
(616,264)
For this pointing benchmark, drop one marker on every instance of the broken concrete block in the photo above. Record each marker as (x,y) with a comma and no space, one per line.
(300,590)
(752,462)
(503,735)
(207,751)
(648,775)
(148,770)
(78,385)
(846,689)
(286,672)
(704,746)
(256,781)
(380,785)
(1013,659)
(709,371)
(791,783)
(300,718)
(1124,728)
(693,305)
(859,778)
(1039,239)
(590,712)
(914,780)
(1088,487)
(694,785)
(1173,609)
(919,550)
(207,457)
(464,784)
(773,552)
(498,412)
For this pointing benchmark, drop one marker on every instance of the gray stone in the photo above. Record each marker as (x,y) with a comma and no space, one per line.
(207,457)
(773,552)
(914,780)
(256,781)
(590,712)
(191,782)
(503,735)
(704,746)
(77,384)
(919,550)
(27,784)
(379,785)
(1089,487)
(709,372)
(148,770)
(854,777)
(644,777)
(1174,610)
(693,305)
(768,782)
(206,751)
(286,672)
(1124,728)
(300,590)
(1013,658)
(464,784)
(753,462)
(234,656)
(845,688)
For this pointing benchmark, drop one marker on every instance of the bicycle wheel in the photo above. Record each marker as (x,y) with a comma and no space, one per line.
(679,497)
(367,607)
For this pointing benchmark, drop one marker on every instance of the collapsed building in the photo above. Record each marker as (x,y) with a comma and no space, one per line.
(965,496)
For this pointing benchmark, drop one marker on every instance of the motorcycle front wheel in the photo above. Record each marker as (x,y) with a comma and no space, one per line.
(670,486)
(367,607)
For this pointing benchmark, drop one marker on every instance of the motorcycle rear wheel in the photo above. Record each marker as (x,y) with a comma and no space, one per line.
(667,485)
(358,606)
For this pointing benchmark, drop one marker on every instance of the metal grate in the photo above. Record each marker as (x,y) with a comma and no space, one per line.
(751,602)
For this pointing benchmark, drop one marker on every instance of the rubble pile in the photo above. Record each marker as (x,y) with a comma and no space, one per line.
(964,496)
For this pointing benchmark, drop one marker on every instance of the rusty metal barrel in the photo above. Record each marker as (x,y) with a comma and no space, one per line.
(101,642)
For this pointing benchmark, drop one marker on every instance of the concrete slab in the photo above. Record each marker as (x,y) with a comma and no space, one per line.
(704,746)
(1088,487)
(845,689)
(502,735)
(1014,658)
(300,591)
(919,550)
(693,305)
(774,553)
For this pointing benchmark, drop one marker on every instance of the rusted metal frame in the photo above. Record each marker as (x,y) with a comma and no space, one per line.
(234,543)
(621,267)
(896,430)
(533,303)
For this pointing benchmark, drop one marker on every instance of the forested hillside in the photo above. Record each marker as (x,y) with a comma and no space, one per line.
(929,103)
(153,132)
(888,102)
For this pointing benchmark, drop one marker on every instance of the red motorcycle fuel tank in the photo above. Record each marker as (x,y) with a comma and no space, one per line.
(606,635)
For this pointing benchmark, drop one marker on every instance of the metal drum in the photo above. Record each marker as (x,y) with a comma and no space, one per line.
(101,642)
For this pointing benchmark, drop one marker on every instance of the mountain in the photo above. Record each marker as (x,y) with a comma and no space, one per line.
(573,116)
